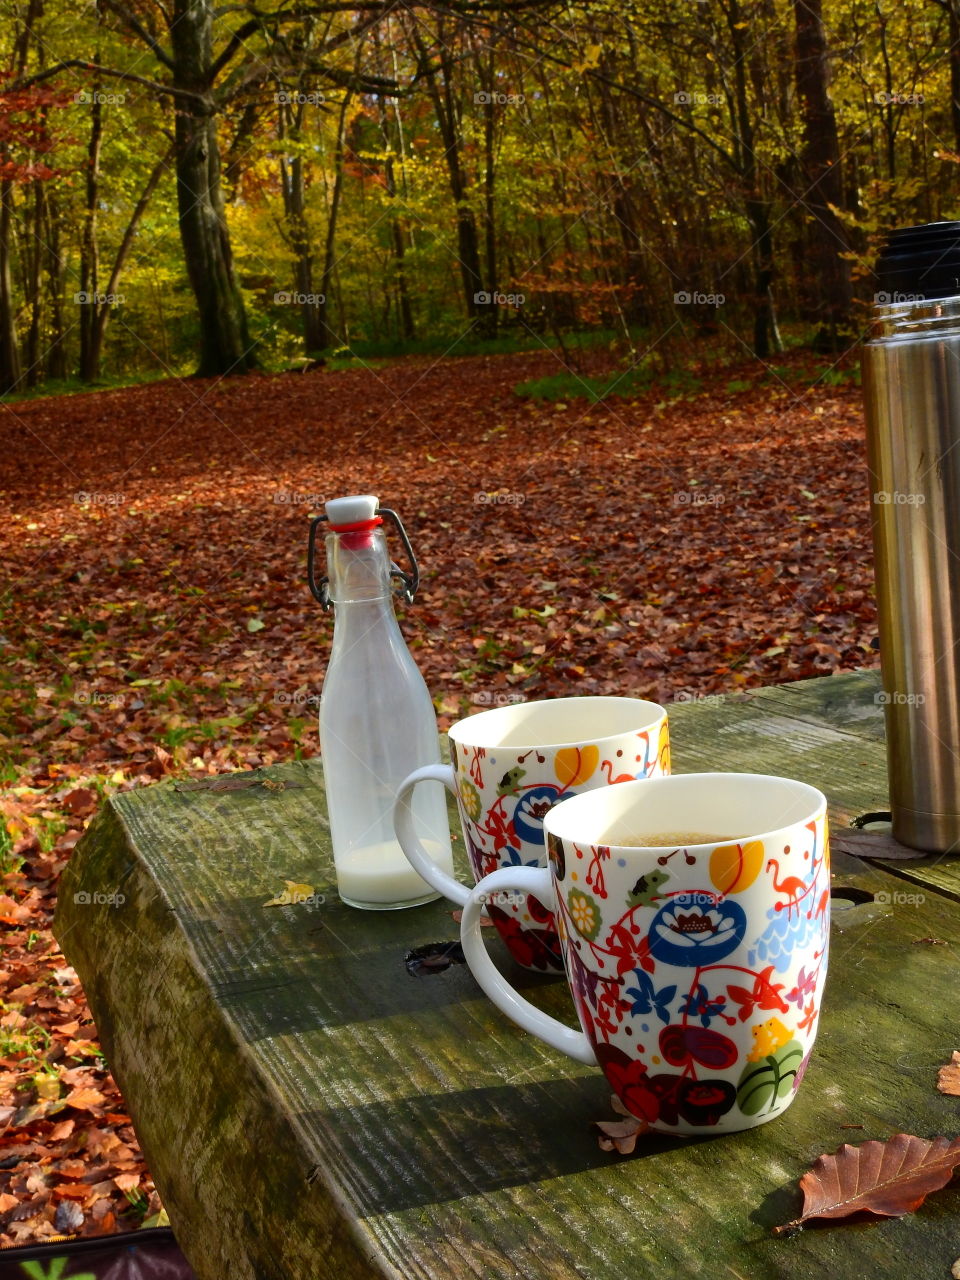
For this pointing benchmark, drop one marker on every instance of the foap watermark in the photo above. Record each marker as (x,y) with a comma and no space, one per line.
(491,698)
(85,498)
(684,298)
(899,699)
(885,299)
(897,898)
(697,898)
(894,498)
(299,98)
(83,899)
(297,898)
(84,298)
(484,299)
(502,898)
(483,98)
(899,99)
(292,298)
(683,98)
(94,698)
(691,695)
(87,97)
(498,498)
(296,698)
(291,498)
(698,498)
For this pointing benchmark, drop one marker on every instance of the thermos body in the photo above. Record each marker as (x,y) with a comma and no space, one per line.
(912,391)
(911,378)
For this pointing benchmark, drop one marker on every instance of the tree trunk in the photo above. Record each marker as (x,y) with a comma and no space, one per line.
(56,355)
(756,206)
(10,369)
(489,193)
(31,254)
(89,248)
(328,338)
(468,243)
(954,71)
(11,372)
(225,345)
(101,311)
(822,179)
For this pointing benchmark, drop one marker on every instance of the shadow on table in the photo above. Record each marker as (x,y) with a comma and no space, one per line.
(310,985)
(417,1151)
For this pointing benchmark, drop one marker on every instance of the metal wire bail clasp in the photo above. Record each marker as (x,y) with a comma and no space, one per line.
(411,578)
(320,588)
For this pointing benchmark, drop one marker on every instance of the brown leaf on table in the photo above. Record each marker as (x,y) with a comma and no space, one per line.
(485,921)
(948,1077)
(620,1135)
(887,1179)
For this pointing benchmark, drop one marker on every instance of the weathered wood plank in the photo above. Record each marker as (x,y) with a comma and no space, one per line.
(309,1109)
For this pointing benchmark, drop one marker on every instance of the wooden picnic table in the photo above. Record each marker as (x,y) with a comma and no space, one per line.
(310,1109)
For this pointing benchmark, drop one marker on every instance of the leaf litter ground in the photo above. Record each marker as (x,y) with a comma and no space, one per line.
(156,621)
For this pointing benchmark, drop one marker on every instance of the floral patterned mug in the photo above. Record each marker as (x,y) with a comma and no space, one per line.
(696,963)
(510,765)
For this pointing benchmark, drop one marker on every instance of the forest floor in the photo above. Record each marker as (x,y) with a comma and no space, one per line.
(156,619)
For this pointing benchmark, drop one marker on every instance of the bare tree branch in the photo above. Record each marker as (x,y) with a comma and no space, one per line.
(80,64)
(131,21)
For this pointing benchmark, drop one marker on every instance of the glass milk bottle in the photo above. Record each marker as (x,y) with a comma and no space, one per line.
(377,721)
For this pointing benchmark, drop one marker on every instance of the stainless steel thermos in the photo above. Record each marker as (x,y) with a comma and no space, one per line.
(911,377)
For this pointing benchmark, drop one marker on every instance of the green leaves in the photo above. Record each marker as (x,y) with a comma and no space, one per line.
(763,1084)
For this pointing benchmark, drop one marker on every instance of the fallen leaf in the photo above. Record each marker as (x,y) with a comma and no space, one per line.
(948,1077)
(127,1181)
(292,895)
(620,1135)
(81,802)
(85,1099)
(887,1179)
(68,1218)
(485,921)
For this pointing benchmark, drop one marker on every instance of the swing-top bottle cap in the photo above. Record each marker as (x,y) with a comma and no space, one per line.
(355,509)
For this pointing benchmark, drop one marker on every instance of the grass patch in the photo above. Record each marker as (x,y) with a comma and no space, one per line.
(469,343)
(622,383)
(74,386)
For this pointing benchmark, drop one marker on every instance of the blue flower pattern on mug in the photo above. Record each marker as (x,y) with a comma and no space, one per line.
(647,999)
(692,930)
(532,805)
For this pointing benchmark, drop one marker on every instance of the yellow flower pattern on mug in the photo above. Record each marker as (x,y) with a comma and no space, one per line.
(583,913)
(470,799)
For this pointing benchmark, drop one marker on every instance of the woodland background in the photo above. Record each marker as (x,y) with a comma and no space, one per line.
(578,290)
(252,184)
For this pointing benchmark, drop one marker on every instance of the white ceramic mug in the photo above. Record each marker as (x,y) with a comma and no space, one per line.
(510,765)
(696,965)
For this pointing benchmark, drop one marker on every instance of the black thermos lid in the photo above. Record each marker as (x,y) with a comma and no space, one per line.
(919,263)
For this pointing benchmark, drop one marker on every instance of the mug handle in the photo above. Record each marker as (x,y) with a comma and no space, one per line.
(539,882)
(405,829)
